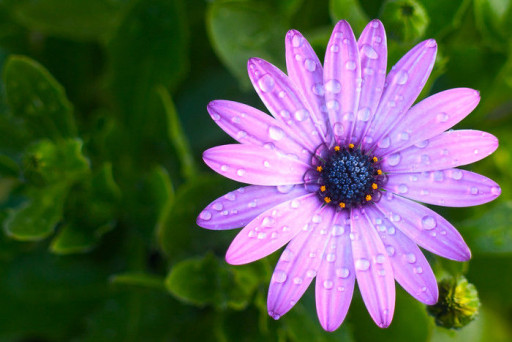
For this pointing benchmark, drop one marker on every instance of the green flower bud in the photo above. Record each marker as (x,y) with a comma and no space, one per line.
(405,20)
(458,303)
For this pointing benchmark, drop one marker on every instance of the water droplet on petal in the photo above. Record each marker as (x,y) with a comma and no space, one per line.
(350,65)
(401,77)
(330,257)
(390,250)
(442,117)
(369,52)
(384,142)
(337,230)
(297,41)
(402,188)
(240,172)
(301,115)
(338,129)
(394,159)
(328,284)
(266,83)
(362,264)
(284,189)
(333,86)
(217,206)
(297,280)
(318,89)
(363,114)
(474,190)
(380,258)
(428,222)
(311,273)
(294,204)
(205,215)
(335,48)
(411,258)
(342,272)
(310,65)
(224,168)
(279,277)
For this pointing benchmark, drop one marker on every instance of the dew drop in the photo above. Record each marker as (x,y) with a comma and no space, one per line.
(266,83)
(402,188)
(411,258)
(311,273)
(442,117)
(267,221)
(240,172)
(428,222)
(390,250)
(335,48)
(350,65)
(404,136)
(380,258)
(310,65)
(384,142)
(330,257)
(338,129)
(284,189)
(369,52)
(337,230)
(342,272)
(284,114)
(217,206)
(333,105)
(262,236)
(362,264)
(215,117)
(279,277)
(418,270)
(224,168)
(474,190)
(456,174)
(364,114)
(205,215)
(294,204)
(297,280)
(495,190)
(333,86)
(301,115)
(328,284)
(401,77)
(394,159)
(297,41)
(318,89)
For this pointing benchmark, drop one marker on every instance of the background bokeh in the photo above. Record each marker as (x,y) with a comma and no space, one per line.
(102,124)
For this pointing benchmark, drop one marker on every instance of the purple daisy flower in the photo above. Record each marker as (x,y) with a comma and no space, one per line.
(337,171)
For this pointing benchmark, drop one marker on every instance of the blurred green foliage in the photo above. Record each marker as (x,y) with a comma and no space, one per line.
(102,124)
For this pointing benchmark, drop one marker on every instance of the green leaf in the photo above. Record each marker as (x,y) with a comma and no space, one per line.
(351,11)
(73,239)
(177,231)
(46,162)
(241,30)
(138,279)
(91,19)
(494,20)
(35,96)
(8,167)
(405,20)
(176,136)
(37,218)
(210,281)
(148,49)
(490,234)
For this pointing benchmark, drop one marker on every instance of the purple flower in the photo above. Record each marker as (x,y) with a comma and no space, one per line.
(337,171)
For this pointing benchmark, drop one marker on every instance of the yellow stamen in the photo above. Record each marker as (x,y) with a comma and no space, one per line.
(379,172)
(342,205)
(375,159)
(368,198)
(322,188)
(336,148)
(350,146)
(327,199)
(319,168)
(374,186)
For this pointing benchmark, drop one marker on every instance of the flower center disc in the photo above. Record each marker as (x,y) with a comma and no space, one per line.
(348,177)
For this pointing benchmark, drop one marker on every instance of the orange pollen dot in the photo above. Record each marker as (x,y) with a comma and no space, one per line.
(350,145)
(374,186)
(375,159)
(327,199)
(336,148)
(342,205)
(322,188)
(379,172)
(319,168)
(368,198)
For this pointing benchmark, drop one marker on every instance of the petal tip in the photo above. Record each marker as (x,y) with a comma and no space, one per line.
(274,315)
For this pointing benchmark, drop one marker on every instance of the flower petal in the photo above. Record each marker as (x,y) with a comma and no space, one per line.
(410,267)
(342,80)
(450,188)
(238,208)
(373,269)
(251,126)
(449,149)
(271,230)
(306,72)
(255,165)
(283,101)
(374,54)
(425,227)
(438,112)
(336,277)
(299,263)
(403,85)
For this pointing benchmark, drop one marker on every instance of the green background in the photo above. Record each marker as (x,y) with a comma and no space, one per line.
(102,124)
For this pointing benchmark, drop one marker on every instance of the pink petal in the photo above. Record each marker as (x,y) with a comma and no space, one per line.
(425,227)
(450,188)
(403,85)
(255,165)
(238,208)
(251,126)
(373,53)
(449,149)
(373,269)
(342,80)
(438,112)
(283,101)
(306,73)
(336,277)
(410,267)
(272,229)
(299,263)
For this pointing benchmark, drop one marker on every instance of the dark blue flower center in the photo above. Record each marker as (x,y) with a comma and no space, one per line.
(348,177)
